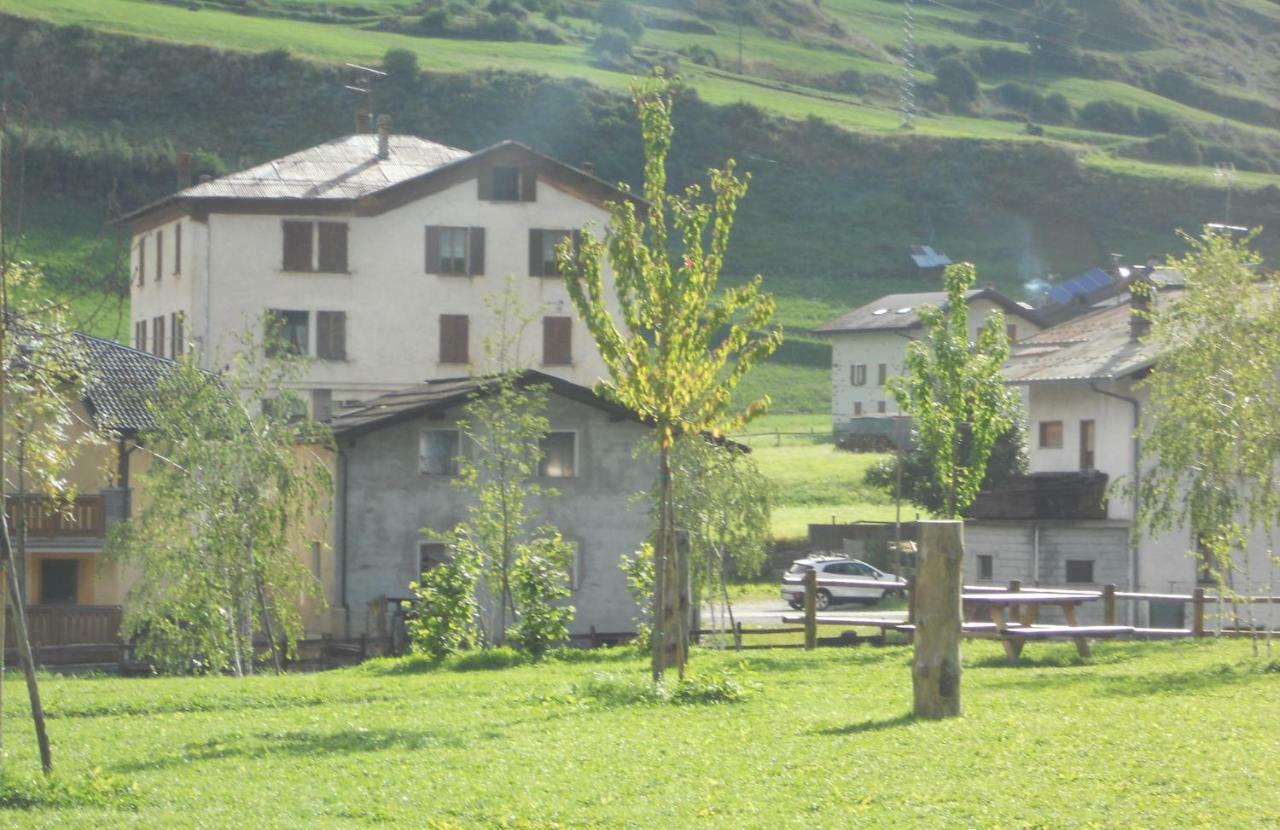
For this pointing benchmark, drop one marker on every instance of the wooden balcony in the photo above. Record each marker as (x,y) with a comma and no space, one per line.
(46,519)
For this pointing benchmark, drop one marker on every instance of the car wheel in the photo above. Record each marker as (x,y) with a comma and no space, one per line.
(822,599)
(795,604)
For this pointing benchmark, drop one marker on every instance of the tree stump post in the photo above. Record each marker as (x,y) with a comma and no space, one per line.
(1109,604)
(935,670)
(810,609)
(1197,608)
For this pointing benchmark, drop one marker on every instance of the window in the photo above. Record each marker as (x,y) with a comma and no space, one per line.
(1011,330)
(331,335)
(857,407)
(1087,436)
(454,335)
(333,247)
(59,581)
(880,407)
(508,184)
(882,374)
(297,246)
(438,451)
(559,455)
(431,555)
(157,335)
(557,341)
(542,251)
(177,324)
(140,335)
(1204,563)
(142,260)
(321,404)
(986,566)
(287,332)
(1051,435)
(159,254)
(455,251)
(1079,570)
(177,248)
(858,374)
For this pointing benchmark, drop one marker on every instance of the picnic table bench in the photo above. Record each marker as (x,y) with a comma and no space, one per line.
(1025,607)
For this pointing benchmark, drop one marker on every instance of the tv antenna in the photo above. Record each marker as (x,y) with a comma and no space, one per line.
(1225,173)
(365,75)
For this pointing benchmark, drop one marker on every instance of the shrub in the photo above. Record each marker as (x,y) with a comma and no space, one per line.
(444,608)
(537,584)
(956,82)
(638,568)
(622,690)
(701,55)
(400,63)
(612,46)
(1110,117)
(620,15)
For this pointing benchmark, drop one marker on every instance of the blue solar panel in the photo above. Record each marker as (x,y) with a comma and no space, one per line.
(1087,283)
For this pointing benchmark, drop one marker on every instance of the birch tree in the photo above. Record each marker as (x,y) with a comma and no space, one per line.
(233,484)
(675,347)
(1211,446)
(954,393)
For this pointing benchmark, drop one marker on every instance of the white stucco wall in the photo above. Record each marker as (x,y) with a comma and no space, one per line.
(873,348)
(173,292)
(392,305)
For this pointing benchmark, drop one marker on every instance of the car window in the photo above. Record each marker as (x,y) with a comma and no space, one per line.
(863,569)
(839,568)
(798,568)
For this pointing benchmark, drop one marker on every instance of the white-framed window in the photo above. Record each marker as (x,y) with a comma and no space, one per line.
(559,454)
(438,451)
(858,374)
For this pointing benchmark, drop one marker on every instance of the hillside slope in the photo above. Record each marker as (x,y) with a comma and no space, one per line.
(98,108)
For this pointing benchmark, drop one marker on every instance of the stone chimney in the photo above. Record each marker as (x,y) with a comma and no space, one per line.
(1142,296)
(364,122)
(384,136)
(182,166)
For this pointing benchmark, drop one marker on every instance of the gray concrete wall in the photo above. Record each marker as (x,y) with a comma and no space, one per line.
(390,501)
(1013,548)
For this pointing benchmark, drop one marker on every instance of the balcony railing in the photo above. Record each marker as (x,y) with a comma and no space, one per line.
(46,518)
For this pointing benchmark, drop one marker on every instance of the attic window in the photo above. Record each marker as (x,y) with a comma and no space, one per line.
(508,184)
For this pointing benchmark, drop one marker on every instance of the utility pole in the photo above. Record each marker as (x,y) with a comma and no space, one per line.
(907,104)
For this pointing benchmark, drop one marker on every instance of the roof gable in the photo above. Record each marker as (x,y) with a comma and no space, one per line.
(896,312)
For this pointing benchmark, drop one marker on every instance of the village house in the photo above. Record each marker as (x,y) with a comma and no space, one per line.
(376,254)
(869,345)
(73,595)
(1085,410)
(395,494)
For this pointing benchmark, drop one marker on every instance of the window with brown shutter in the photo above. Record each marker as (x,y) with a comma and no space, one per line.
(176,325)
(557,341)
(858,374)
(142,259)
(297,246)
(882,375)
(288,332)
(159,254)
(333,247)
(542,251)
(140,335)
(331,335)
(157,336)
(475,241)
(1087,434)
(505,184)
(177,248)
(857,408)
(454,333)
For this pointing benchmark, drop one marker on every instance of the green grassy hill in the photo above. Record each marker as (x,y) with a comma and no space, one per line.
(1047,134)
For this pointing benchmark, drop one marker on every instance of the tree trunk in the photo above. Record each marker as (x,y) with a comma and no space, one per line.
(935,670)
(24,648)
(266,621)
(671,596)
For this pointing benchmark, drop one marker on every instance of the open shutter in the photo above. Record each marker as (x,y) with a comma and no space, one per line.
(484,184)
(535,252)
(338,335)
(297,246)
(528,184)
(333,247)
(475,263)
(433,250)
(323,334)
(557,333)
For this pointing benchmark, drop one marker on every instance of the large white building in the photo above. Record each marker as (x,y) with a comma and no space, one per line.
(869,346)
(378,255)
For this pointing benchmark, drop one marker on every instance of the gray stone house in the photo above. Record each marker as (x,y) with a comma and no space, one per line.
(395,472)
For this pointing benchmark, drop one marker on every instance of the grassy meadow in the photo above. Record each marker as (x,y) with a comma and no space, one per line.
(1177,734)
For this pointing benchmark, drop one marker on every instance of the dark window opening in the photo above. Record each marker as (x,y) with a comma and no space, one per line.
(431,555)
(858,374)
(1051,435)
(557,341)
(1080,570)
(59,581)
(331,335)
(506,184)
(297,246)
(177,248)
(287,332)
(157,336)
(1087,438)
(333,247)
(438,451)
(454,336)
(986,566)
(559,455)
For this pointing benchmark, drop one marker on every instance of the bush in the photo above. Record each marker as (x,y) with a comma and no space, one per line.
(619,14)
(701,55)
(638,568)
(537,584)
(612,47)
(620,690)
(444,609)
(1110,117)
(956,82)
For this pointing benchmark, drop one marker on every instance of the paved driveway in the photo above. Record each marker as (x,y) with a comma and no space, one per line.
(769,612)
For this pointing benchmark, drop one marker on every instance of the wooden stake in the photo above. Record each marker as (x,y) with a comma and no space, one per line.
(1197,607)
(1109,604)
(24,648)
(935,670)
(810,609)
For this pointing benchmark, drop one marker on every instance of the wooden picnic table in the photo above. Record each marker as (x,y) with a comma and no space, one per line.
(1014,614)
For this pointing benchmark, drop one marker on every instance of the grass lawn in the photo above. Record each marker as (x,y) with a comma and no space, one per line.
(1148,735)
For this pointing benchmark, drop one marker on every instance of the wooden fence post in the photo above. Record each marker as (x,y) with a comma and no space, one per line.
(1197,618)
(935,669)
(911,599)
(737,636)
(810,609)
(1109,604)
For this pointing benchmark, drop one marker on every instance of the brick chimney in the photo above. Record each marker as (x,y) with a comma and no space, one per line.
(1142,295)
(182,166)
(384,136)
(364,122)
